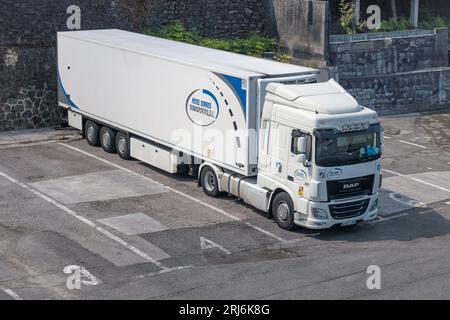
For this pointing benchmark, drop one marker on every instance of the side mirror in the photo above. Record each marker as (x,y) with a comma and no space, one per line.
(301,145)
(301,158)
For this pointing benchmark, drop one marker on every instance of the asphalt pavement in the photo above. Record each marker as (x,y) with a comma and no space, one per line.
(78,223)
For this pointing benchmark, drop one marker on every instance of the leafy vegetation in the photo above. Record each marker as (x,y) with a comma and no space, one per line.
(310,64)
(435,22)
(346,19)
(428,19)
(176,31)
(282,58)
(254,45)
(404,24)
(392,24)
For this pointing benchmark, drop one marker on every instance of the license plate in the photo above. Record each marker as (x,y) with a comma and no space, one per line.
(348,223)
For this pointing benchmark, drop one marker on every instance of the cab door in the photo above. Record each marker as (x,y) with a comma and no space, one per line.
(279,151)
(264,147)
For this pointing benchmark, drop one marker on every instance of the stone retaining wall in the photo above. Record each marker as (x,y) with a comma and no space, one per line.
(28,42)
(406,92)
(395,75)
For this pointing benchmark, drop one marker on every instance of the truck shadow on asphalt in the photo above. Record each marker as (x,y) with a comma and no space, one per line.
(407,225)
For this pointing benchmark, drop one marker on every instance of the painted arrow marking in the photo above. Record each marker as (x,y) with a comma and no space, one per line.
(208,244)
(408,202)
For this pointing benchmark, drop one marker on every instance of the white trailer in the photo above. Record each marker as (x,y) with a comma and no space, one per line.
(243,124)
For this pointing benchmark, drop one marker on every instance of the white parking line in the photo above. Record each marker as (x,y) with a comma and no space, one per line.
(85,220)
(417,180)
(407,142)
(177,192)
(152,274)
(382,219)
(413,144)
(11,293)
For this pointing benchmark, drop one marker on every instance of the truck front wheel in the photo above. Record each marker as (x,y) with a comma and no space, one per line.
(123,145)
(108,139)
(92,133)
(209,182)
(283,211)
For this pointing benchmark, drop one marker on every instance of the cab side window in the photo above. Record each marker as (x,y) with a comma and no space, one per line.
(296,134)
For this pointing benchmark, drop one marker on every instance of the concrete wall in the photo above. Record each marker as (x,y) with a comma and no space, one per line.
(395,75)
(28,38)
(416,91)
(390,55)
(301,27)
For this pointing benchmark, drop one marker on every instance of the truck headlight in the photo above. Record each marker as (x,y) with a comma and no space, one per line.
(319,213)
(374,205)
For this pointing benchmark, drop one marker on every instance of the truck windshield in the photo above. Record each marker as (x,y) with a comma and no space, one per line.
(336,149)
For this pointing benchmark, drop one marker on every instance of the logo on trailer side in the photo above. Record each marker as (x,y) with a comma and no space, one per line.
(202,107)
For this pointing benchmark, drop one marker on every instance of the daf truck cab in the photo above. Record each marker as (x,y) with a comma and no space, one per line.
(320,154)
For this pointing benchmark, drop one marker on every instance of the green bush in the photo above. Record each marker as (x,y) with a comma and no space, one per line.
(346,19)
(254,45)
(175,31)
(404,24)
(392,24)
(435,22)
(282,58)
(427,20)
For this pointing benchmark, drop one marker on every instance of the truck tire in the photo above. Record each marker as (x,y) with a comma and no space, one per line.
(92,133)
(108,139)
(209,182)
(123,145)
(283,211)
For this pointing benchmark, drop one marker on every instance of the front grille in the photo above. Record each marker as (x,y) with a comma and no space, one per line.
(349,209)
(353,187)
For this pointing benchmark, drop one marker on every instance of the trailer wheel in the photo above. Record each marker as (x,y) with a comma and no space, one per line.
(209,182)
(92,133)
(123,145)
(108,139)
(283,211)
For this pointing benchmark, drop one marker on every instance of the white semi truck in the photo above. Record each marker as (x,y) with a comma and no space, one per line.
(268,133)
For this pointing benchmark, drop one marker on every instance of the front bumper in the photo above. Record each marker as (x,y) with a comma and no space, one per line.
(306,219)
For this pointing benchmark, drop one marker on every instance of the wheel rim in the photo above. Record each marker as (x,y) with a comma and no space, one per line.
(106,139)
(90,133)
(122,145)
(210,182)
(283,211)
